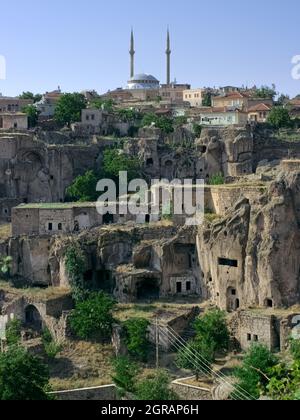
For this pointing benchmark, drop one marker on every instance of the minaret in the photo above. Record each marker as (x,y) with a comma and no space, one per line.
(132,52)
(168,53)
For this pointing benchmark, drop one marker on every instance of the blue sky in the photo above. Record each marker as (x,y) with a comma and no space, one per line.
(84,44)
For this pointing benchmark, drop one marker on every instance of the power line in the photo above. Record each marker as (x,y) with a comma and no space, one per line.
(219,375)
(204,363)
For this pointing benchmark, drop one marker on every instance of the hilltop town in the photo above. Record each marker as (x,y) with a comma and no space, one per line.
(159,274)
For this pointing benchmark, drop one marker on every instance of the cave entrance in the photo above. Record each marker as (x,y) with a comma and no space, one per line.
(104,281)
(147,289)
(108,219)
(100,280)
(33,319)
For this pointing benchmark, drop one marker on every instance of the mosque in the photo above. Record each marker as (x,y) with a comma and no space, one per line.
(147,81)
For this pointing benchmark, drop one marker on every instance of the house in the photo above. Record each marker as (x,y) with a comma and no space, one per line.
(194,97)
(8,104)
(259,113)
(239,100)
(173,92)
(13,120)
(46,106)
(221,116)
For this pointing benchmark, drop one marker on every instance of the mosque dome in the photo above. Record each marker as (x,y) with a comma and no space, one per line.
(143,81)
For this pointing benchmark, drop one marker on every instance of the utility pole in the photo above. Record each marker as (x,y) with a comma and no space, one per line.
(157,343)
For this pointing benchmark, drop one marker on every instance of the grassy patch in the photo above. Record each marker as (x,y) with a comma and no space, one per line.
(5,231)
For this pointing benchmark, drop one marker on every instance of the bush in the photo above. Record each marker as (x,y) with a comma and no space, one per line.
(76,265)
(252,376)
(136,337)
(125,373)
(50,346)
(197,128)
(13,332)
(156,388)
(217,179)
(92,318)
(295,349)
(23,377)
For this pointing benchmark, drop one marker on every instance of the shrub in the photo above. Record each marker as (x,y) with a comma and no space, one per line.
(295,349)
(13,332)
(125,373)
(76,265)
(50,346)
(197,128)
(83,188)
(217,179)
(197,356)
(136,337)
(93,318)
(156,388)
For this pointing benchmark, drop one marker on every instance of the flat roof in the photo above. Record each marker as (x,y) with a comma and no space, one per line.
(58,206)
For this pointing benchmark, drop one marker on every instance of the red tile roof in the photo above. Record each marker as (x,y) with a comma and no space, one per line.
(259,107)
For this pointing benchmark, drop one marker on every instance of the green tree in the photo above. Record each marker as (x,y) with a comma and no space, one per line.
(207,99)
(212,330)
(252,376)
(156,388)
(279,117)
(104,104)
(266,92)
(5,265)
(180,121)
(115,161)
(83,188)
(75,262)
(125,373)
(93,318)
(136,337)
(283,99)
(23,377)
(31,96)
(32,114)
(69,107)
(164,123)
(197,356)
(284,383)
(129,115)
(13,332)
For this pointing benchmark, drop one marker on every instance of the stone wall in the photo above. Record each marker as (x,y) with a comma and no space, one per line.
(191,393)
(102,393)
(218,199)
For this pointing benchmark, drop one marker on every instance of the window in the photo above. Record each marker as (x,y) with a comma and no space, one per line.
(50,226)
(188,286)
(87,117)
(249,337)
(228,262)
(255,338)
(233,292)
(59,226)
(93,117)
(15,125)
